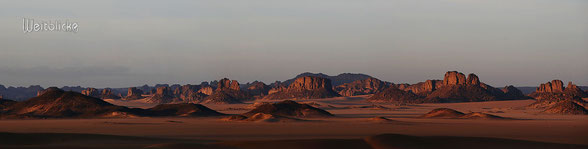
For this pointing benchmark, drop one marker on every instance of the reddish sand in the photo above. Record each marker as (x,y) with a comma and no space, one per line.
(352,122)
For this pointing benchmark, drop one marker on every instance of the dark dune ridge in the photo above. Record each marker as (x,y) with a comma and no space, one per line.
(289,108)
(384,141)
(56,103)
(450,113)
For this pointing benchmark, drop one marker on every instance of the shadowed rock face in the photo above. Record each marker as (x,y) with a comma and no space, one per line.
(5,103)
(228,84)
(19,93)
(104,94)
(305,88)
(190,93)
(454,78)
(258,88)
(163,94)
(228,92)
(511,92)
(134,93)
(289,108)
(361,87)
(395,95)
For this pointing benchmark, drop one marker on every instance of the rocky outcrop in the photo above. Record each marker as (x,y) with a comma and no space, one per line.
(228,92)
(190,93)
(225,83)
(289,108)
(574,90)
(454,87)
(162,95)
(511,92)
(555,86)
(422,88)
(258,89)
(50,89)
(454,78)
(305,88)
(396,96)
(566,107)
(361,87)
(134,93)
(106,93)
(556,99)
(335,80)
(19,93)
(206,90)
(473,79)
(91,92)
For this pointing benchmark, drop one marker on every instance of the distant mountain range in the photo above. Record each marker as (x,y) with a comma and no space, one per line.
(23,93)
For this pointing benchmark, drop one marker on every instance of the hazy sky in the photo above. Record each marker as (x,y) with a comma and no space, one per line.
(124,43)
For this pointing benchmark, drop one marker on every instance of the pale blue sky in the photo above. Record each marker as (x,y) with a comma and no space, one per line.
(124,43)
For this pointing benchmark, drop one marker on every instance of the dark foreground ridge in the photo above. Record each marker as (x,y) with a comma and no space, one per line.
(56,103)
(384,141)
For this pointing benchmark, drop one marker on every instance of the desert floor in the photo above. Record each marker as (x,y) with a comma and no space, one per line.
(352,122)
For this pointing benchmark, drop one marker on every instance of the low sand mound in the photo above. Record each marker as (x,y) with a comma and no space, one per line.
(234,118)
(372,107)
(480,115)
(182,109)
(443,113)
(380,119)
(260,117)
(566,107)
(289,108)
(450,113)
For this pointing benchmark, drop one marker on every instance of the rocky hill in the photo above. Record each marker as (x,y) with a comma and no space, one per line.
(362,87)
(556,99)
(455,87)
(307,87)
(228,92)
(335,80)
(106,93)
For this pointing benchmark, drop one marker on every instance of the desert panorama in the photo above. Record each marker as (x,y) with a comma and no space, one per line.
(311,110)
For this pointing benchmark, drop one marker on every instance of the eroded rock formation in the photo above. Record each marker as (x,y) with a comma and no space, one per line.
(361,87)
(307,87)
